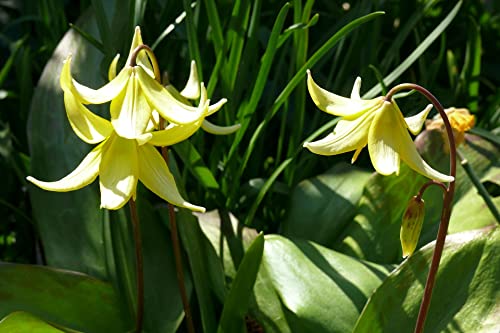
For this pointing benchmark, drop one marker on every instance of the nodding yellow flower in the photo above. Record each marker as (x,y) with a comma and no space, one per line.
(460,120)
(125,153)
(377,123)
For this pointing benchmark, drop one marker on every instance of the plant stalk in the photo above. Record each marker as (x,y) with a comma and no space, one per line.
(447,202)
(139,266)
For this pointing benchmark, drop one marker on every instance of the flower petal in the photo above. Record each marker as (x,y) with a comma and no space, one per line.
(338,105)
(172,134)
(112,67)
(90,96)
(84,174)
(348,135)
(130,111)
(118,172)
(219,130)
(167,106)
(88,126)
(142,58)
(355,89)
(416,122)
(388,141)
(192,88)
(154,174)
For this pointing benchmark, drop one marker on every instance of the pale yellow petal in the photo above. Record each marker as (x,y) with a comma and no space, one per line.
(130,111)
(348,135)
(118,172)
(416,122)
(142,58)
(173,134)
(192,88)
(355,89)
(88,126)
(215,107)
(154,174)
(84,174)
(338,105)
(112,67)
(389,141)
(219,130)
(167,106)
(90,96)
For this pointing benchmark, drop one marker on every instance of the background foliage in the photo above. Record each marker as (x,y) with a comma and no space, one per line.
(332,228)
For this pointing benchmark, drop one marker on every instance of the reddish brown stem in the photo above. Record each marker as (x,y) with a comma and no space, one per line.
(139,267)
(447,203)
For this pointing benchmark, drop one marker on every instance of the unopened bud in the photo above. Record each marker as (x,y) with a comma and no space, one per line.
(411,225)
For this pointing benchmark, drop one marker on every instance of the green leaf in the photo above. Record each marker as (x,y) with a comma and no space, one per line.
(20,322)
(466,294)
(304,287)
(62,297)
(237,300)
(321,206)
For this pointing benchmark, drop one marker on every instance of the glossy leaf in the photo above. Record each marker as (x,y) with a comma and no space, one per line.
(321,206)
(19,322)
(65,298)
(304,287)
(465,297)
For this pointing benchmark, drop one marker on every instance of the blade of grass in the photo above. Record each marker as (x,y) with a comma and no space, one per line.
(416,53)
(194,47)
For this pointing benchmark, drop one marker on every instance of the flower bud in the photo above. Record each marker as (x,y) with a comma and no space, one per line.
(411,225)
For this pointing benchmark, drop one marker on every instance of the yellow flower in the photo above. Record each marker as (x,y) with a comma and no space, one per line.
(126,152)
(460,120)
(377,123)
(120,162)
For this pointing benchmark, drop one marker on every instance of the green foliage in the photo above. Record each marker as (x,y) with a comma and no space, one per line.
(331,268)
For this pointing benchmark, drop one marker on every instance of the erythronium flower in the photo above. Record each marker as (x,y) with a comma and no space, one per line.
(460,120)
(377,123)
(120,162)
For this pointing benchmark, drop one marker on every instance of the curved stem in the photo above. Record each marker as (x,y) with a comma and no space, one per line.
(152,57)
(428,184)
(447,202)
(139,267)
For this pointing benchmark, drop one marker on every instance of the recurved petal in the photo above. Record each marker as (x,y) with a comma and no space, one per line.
(416,122)
(118,172)
(167,106)
(88,126)
(335,104)
(219,130)
(84,174)
(142,58)
(348,135)
(130,111)
(154,174)
(355,89)
(389,141)
(112,67)
(192,88)
(173,134)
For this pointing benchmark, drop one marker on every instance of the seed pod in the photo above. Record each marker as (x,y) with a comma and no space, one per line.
(411,225)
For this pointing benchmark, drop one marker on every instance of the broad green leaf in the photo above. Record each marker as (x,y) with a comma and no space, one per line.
(465,298)
(20,322)
(237,300)
(320,207)
(304,287)
(65,298)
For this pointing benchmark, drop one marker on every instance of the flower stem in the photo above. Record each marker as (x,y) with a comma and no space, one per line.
(139,267)
(447,203)
(174,235)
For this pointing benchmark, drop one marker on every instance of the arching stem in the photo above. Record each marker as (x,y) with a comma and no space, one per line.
(152,57)
(447,202)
